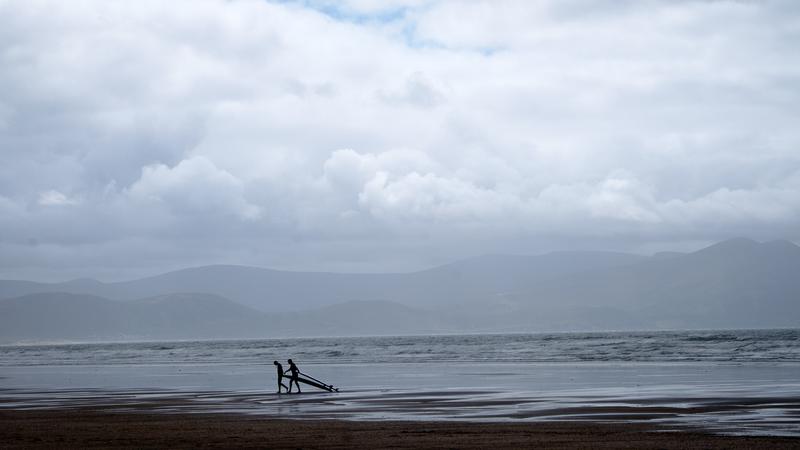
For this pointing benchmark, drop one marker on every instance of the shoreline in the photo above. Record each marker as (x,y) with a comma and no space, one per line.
(142,428)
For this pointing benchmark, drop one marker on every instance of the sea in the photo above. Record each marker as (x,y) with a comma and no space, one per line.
(725,381)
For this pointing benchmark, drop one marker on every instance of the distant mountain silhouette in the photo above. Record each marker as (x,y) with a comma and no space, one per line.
(78,317)
(54,316)
(359,318)
(275,291)
(737,283)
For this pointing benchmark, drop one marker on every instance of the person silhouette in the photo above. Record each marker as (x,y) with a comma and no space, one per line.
(294,378)
(280,376)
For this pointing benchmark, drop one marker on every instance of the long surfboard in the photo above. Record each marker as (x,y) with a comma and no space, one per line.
(325,387)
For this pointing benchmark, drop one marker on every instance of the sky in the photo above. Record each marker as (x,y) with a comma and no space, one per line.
(370,136)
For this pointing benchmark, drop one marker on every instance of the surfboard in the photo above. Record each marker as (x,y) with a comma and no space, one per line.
(317,385)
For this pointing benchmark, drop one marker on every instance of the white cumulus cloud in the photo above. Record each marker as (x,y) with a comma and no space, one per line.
(320,134)
(193,186)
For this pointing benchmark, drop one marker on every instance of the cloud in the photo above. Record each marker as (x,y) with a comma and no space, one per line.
(428,198)
(194,186)
(55,198)
(417,90)
(358,134)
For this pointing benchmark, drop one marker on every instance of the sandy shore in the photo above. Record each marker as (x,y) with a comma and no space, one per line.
(95,428)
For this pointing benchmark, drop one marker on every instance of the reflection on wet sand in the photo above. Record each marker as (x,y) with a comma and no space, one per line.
(753,416)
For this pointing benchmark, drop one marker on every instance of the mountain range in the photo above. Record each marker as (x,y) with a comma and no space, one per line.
(738,283)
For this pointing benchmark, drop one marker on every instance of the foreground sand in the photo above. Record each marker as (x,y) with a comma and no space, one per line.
(88,428)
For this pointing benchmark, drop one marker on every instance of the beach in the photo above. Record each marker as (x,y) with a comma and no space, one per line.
(597,390)
(97,428)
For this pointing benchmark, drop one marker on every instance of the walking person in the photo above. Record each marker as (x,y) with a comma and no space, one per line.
(294,378)
(280,376)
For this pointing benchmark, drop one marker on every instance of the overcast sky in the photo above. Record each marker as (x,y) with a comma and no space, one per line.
(142,136)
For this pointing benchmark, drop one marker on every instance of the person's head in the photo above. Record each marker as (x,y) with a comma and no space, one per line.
(276,363)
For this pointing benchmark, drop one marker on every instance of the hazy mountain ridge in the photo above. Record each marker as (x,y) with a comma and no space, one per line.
(79,317)
(738,282)
(735,283)
(86,317)
(268,290)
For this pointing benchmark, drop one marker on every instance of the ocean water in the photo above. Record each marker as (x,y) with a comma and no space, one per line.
(731,381)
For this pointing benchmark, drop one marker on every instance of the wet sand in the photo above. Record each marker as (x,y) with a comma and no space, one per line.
(546,406)
(777,415)
(98,428)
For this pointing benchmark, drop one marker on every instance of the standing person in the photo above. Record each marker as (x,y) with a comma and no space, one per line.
(295,375)
(280,376)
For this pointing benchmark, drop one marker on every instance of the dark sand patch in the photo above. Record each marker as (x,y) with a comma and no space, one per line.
(95,428)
